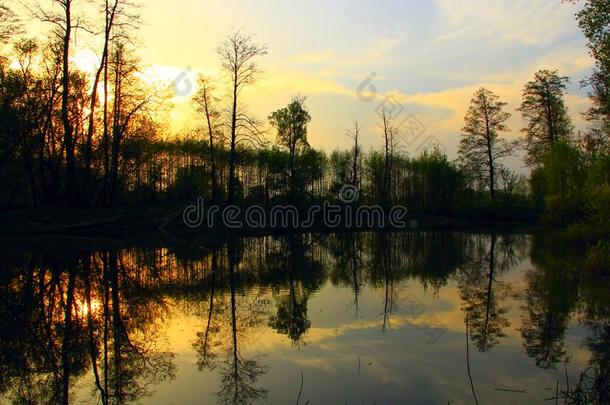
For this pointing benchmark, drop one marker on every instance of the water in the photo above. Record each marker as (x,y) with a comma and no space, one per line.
(350,318)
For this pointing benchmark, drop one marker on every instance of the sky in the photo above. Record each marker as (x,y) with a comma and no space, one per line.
(423,59)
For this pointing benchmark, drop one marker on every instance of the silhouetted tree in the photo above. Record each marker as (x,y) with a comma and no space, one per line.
(206,103)
(118,14)
(481,146)
(389,132)
(9,23)
(238,53)
(544,111)
(356,152)
(290,123)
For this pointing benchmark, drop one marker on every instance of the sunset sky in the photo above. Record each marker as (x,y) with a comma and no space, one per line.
(429,56)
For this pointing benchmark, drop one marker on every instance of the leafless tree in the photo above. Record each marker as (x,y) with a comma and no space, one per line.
(206,103)
(117,14)
(355,135)
(389,133)
(238,53)
(9,23)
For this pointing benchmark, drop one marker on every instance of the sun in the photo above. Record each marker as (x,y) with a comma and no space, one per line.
(86,60)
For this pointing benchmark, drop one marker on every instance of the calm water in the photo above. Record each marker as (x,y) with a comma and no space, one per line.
(350,318)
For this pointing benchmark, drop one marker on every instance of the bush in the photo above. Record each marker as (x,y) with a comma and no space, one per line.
(598,258)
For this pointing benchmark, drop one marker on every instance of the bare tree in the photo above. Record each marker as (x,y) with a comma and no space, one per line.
(206,103)
(129,100)
(238,53)
(389,146)
(355,135)
(65,23)
(117,14)
(9,23)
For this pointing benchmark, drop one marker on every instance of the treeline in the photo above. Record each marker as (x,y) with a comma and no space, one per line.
(79,139)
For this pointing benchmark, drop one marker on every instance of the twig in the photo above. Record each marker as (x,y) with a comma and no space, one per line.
(511,390)
(301,389)
(468,364)
(565,365)
(557,393)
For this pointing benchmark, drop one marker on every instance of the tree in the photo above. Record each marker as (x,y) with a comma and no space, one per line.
(564,177)
(433,183)
(116,14)
(130,98)
(594,21)
(64,23)
(389,133)
(511,183)
(339,165)
(206,104)
(291,125)
(238,53)
(481,146)
(545,113)
(355,135)
(8,23)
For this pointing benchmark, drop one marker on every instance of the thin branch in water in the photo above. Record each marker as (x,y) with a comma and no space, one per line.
(468,363)
(300,389)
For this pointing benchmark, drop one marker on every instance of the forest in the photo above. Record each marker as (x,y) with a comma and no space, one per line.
(74,139)
(499,291)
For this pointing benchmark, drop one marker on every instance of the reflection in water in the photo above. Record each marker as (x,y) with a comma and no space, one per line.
(63,315)
(291,317)
(550,299)
(93,324)
(480,290)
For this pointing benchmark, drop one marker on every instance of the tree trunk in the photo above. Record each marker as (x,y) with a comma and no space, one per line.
(68,130)
(214,175)
(233,155)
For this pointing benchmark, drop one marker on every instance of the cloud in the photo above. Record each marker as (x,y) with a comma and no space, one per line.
(430,56)
(525,21)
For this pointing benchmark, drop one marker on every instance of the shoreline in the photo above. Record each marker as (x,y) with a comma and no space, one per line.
(162,225)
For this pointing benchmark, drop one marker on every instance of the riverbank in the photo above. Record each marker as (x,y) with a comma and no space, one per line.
(163,224)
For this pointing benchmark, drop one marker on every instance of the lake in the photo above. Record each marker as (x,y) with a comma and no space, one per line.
(357,318)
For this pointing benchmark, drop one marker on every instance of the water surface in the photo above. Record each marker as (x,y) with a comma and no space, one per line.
(357,318)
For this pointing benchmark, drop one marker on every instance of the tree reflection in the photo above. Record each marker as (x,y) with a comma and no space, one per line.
(347,250)
(593,384)
(482,293)
(54,297)
(95,319)
(239,374)
(207,340)
(230,318)
(551,295)
(291,316)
